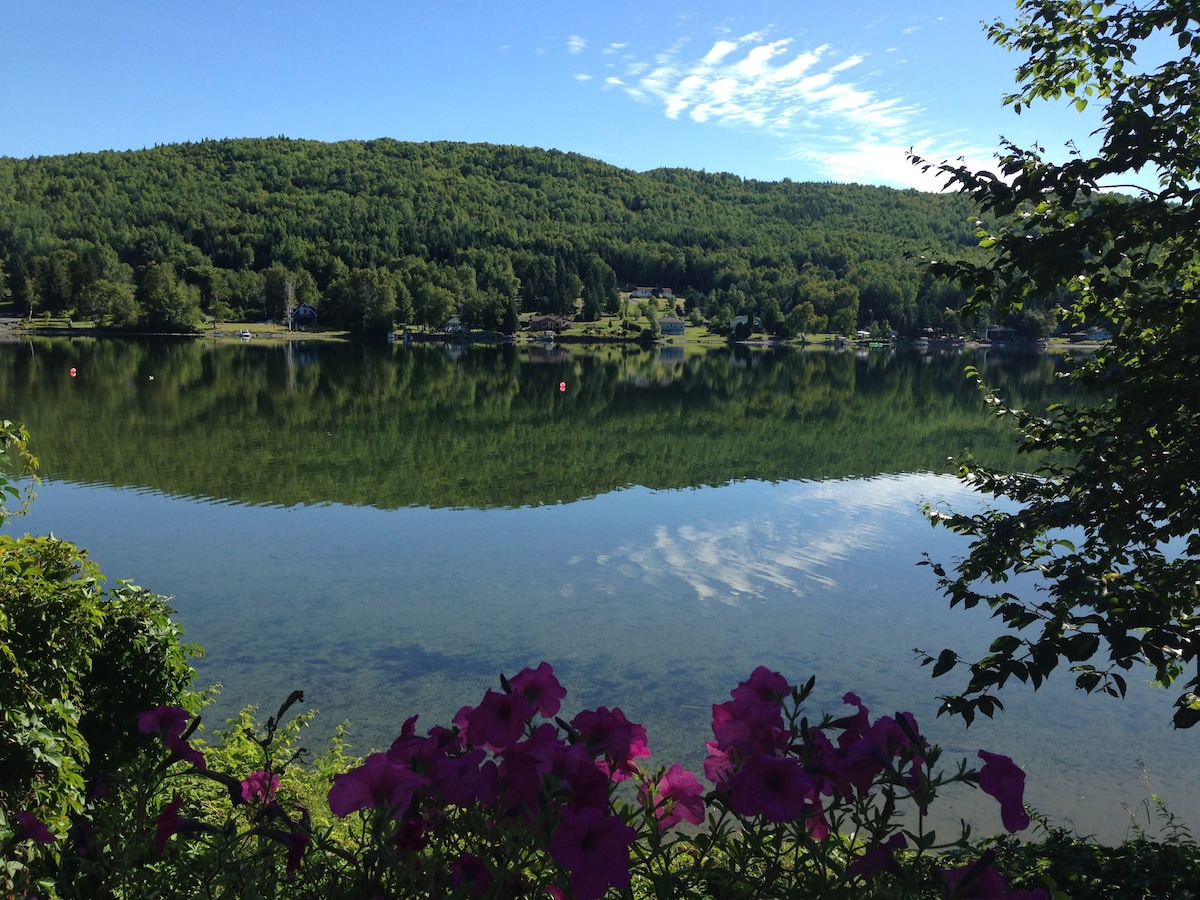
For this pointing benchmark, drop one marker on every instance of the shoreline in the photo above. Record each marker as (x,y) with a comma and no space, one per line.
(18,328)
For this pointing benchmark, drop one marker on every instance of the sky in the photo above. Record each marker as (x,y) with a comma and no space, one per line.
(811,90)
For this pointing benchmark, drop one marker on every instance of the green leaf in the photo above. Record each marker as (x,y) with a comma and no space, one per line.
(946,661)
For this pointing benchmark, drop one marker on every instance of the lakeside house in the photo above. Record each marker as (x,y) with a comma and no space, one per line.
(646,293)
(557,324)
(671,325)
(303,315)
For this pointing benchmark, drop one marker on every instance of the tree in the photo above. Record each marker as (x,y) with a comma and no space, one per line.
(1108,523)
(362,301)
(280,285)
(164,303)
(105,300)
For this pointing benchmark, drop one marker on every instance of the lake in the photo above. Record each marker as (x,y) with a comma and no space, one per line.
(388,528)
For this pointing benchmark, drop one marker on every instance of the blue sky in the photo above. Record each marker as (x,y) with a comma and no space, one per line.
(834,90)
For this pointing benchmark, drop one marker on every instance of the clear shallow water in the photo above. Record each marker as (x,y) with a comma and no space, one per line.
(655,601)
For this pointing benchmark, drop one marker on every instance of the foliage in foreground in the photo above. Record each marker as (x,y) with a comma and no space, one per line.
(1109,524)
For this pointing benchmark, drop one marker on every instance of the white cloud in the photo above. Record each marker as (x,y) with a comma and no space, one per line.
(582,76)
(763,84)
(576,44)
(828,109)
(887,162)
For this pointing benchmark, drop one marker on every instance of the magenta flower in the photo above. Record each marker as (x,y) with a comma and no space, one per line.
(1001,778)
(31,828)
(498,721)
(376,784)
(856,726)
(608,734)
(677,796)
(773,787)
(172,723)
(594,848)
(471,871)
(751,732)
(466,778)
(168,721)
(526,764)
(260,786)
(881,858)
(980,881)
(540,688)
(761,696)
(169,822)
(296,843)
(586,781)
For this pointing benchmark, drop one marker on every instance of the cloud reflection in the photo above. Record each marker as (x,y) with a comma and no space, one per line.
(780,548)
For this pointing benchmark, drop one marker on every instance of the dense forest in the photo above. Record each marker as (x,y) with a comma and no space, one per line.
(382,232)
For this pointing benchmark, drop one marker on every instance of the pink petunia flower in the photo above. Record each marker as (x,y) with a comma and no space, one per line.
(526,764)
(612,738)
(498,721)
(540,688)
(594,848)
(172,723)
(376,784)
(881,858)
(677,796)
(1002,779)
(168,823)
(586,782)
(853,727)
(467,778)
(980,881)
(296,843)
(31,828)
(761,696)
(773,787)
(719,764)
(470,871)
(261,786)
(168,721)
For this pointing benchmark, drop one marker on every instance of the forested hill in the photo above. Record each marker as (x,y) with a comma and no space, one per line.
(383,231)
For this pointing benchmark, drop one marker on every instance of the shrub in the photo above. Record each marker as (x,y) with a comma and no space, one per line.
(77,662)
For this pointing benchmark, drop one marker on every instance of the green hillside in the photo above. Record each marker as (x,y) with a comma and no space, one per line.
(383,231)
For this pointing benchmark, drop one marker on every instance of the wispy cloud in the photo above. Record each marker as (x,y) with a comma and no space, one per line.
(824,106)
(576,44)
(762,83)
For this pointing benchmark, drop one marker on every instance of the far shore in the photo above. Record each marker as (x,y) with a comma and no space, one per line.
(231,332)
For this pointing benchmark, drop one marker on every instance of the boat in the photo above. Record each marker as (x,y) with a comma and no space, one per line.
(244,335)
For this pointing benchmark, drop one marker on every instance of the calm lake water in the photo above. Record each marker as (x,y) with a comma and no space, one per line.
(388,529)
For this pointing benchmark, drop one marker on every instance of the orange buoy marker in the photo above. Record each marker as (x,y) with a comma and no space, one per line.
(72,371)
(562,386)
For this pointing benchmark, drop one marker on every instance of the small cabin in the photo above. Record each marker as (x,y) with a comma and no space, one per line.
(304,314)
